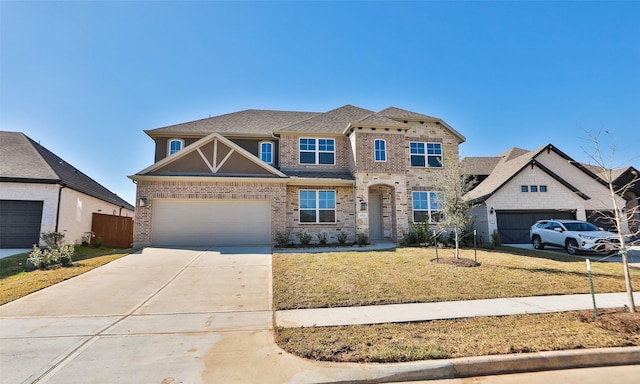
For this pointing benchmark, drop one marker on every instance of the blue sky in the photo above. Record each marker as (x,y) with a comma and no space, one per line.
(86,78)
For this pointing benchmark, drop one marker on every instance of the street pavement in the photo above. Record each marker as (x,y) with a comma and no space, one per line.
(199,316)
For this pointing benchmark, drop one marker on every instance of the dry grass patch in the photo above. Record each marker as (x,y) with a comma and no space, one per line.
(407,275)
(21,284)
(443,339)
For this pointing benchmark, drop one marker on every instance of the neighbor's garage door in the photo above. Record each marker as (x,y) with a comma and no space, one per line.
(210,222)
(513,226)
(20,223)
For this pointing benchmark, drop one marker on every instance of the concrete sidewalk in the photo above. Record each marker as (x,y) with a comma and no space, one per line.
(401,313)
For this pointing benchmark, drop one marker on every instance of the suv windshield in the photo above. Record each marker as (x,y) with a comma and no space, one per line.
(580,227)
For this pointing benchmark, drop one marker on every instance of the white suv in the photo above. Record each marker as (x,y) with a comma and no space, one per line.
(573,235)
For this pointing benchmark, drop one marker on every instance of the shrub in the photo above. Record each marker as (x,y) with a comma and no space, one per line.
(322,238)
(282,239)
(52,239)
(97,242)
(495,237)
(39,259)
(304,237)
(419,234)
(342,238)
(362,239)
(86,238)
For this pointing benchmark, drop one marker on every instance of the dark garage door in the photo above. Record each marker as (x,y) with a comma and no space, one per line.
(20,223)
(513,226)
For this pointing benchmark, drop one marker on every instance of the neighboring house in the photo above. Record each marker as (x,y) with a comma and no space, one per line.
(519,187)
(249,176)
(40,193)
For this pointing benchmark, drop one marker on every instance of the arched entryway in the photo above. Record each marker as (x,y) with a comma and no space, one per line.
(382,221)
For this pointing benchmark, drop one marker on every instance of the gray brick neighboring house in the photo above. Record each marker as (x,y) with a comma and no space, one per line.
(248,176)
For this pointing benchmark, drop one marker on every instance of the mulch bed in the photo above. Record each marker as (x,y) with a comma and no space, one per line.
(459,262)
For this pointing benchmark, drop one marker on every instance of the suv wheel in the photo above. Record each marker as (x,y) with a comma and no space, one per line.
(572,247)
(537,242)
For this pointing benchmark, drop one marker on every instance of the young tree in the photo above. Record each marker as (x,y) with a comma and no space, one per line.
(453,183)
(604,170)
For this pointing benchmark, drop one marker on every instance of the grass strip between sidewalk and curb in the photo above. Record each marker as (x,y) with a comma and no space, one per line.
(16,283)
(407,275)
(447,339)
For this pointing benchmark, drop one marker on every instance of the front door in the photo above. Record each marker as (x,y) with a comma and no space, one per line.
(375,216)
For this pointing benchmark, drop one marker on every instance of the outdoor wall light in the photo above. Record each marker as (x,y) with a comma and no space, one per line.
(142,202)
(363,205)
(491,211)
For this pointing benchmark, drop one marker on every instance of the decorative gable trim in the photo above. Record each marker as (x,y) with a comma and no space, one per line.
(213,164)
(533,163)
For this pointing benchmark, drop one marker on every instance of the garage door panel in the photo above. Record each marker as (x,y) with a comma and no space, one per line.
(514,226)
(211,222)
(20,223)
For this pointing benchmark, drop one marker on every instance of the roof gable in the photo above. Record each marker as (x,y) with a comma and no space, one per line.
(404,115)
(335,121)
(25,160)
(213,155)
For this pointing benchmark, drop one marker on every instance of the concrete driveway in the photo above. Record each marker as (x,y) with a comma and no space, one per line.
(158,316)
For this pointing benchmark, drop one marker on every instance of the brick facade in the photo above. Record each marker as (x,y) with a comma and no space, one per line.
(213,189)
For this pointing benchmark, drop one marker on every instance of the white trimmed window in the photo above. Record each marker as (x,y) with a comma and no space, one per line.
(174,145)
(317,206)
(427,206)
(380,150)
(426,154)
(266,151)
(317,151)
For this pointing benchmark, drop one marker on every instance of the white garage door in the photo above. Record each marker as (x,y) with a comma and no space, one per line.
(210,222)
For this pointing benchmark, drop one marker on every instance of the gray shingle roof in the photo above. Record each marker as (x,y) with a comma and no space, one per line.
(25,160)
(318,174)
(479,165)
(506,168)
(250,121)
(334,121)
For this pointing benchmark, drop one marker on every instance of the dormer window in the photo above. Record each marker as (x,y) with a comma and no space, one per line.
(174,146)
(266,152)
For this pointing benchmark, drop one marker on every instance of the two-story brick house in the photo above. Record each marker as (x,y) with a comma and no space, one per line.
(243,177)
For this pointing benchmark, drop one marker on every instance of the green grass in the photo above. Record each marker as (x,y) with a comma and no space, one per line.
(407,275)
(16,283)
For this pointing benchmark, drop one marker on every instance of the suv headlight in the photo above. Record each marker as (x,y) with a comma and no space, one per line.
(588,237)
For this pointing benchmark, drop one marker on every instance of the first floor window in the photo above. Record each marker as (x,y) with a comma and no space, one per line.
(174,146)
(266,152)
(317,206)
(427,206)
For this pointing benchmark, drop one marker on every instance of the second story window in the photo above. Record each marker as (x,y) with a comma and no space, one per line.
(426,154)
(266,152)
(174,146)
(317,151)
(380,149)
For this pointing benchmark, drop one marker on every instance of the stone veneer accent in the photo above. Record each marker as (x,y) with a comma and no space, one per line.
(209,189)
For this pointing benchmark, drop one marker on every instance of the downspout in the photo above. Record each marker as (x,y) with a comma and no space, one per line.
(120,213)
(62,186)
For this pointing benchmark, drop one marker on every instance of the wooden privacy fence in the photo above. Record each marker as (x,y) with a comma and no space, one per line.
(115,231)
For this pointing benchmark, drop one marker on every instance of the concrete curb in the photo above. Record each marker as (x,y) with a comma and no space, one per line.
(495,365)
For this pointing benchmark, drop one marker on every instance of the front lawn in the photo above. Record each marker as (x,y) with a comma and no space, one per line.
(407,275)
